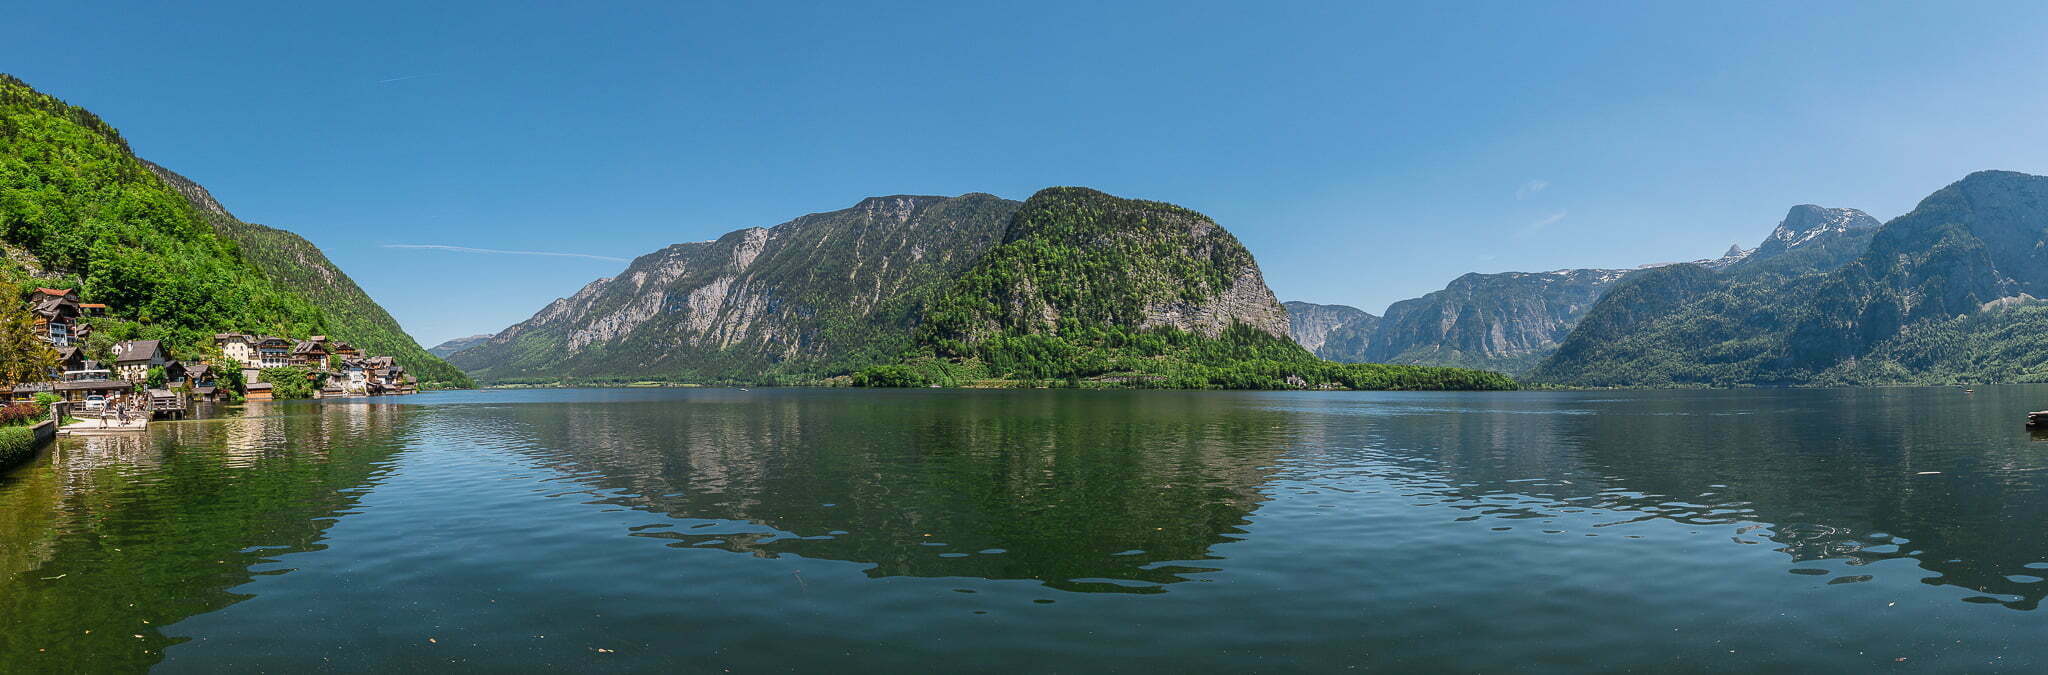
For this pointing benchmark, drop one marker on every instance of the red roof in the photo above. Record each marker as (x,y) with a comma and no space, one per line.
(93,304)
(54,291)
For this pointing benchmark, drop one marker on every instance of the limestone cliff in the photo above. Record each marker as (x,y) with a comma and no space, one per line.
(802,297)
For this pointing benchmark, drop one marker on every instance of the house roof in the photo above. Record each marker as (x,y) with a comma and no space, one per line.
(94,305)
(258,385)
(136,351)
(54,291)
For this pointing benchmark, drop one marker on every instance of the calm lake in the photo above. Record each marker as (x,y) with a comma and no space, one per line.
(914,531)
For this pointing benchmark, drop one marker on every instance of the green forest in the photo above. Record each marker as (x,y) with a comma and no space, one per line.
(79,210)
(1063,301)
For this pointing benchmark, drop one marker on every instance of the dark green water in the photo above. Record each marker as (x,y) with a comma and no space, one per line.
(917,531)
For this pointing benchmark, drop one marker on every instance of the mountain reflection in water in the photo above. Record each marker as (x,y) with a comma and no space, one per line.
(797,529)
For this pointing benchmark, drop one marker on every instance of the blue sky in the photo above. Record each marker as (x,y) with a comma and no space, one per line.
(1365,153)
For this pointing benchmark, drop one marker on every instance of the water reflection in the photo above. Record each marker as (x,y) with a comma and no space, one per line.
(107,539)
(1852,477)
(1110,494)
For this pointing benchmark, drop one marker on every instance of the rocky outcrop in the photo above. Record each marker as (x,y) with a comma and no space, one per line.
(804,296)
(1810,239)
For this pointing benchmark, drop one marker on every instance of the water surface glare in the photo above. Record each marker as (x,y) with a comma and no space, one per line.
(701,530)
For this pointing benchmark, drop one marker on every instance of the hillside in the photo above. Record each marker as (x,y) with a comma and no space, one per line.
(1943,293)
(79,210)
(300,267)
(825,293)
(1088,287)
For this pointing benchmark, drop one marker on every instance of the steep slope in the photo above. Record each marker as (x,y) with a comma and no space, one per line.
(450,347)
(79,210)
(821,294)
(298,265)
(1126,292)
(1505,321)
(1334,332)
(1914,303)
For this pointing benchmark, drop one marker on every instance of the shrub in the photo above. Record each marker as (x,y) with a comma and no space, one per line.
(17,445)
(15,414)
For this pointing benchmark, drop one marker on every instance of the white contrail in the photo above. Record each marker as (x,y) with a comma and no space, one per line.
(466,249)
(406,77)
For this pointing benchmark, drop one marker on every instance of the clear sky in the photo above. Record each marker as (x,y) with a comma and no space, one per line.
(1365,153)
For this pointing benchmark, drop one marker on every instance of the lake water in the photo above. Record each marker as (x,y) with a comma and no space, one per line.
(918,531)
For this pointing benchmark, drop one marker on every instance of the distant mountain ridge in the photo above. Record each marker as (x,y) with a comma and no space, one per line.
(1512,321)
(450,347)
(1334,332)
(1943,293)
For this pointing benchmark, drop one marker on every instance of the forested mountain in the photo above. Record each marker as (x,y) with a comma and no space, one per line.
(1090,287)
(299,266)
(79,210)
(450,347)
(1944,293)
(1334,332)
(827,292)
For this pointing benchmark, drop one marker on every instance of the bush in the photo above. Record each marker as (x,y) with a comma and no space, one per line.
(17,445)
(289,383)
(889,376)
(16,414)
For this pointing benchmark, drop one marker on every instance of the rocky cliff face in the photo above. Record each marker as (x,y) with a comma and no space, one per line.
(1504,322)
(1334,332)
(811,294)
(1309,323)
(1810,239)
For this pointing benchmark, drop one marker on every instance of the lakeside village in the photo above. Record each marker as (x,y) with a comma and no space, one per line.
(142,376)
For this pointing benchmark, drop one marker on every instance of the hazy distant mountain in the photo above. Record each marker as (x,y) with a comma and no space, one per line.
(1943,293)
(1511,321)
(449,348)
(1314,326)
(1505,322)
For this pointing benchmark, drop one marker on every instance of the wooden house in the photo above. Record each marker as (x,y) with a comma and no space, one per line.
(134,358)
(57,313)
